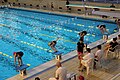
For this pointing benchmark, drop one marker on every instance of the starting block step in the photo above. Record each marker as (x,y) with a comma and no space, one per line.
(57,53)
(22,69)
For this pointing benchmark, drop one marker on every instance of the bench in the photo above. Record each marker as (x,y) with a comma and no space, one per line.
(22,69)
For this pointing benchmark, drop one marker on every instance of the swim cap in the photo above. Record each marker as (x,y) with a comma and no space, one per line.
(14,53)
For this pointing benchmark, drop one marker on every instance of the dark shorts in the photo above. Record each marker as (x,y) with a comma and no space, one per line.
(19,58)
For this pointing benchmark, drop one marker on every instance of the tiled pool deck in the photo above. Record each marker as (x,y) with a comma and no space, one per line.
(70,61)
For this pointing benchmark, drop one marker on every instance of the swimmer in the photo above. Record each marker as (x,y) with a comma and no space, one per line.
(18,56)
(52,44)
(103,29)
(82,34)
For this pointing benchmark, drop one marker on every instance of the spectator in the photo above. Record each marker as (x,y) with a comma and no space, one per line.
(111,46)
(67,3)
(86,59)
(37,78)
(52,7)
(18,55)
(98,55)
(112,6)
(61,73)
(53,44)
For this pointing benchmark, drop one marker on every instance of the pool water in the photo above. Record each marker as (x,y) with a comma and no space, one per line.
(31,31)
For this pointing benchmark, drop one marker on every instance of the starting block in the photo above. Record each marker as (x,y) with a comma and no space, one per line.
(22,69)
(58,55)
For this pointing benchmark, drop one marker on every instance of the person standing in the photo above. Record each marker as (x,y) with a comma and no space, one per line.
(52,7)
(80,48)
(67,3)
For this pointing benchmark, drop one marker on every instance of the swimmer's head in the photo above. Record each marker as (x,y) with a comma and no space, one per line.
(84,32)
(15,54)
(103,26)
(97,25)
(49,44)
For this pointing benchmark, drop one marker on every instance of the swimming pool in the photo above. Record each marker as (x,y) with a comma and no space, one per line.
(31,31)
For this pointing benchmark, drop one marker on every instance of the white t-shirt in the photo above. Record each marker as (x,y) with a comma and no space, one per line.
(99,54)
(61,73)
(88,56)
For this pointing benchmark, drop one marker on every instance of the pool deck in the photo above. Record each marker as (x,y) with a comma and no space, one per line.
(70,61)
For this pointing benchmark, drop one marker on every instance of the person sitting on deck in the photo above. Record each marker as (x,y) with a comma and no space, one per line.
(18,55)
(61,72)
(111,46)
(98,55)
(82,34)
(52,44)
(87,60)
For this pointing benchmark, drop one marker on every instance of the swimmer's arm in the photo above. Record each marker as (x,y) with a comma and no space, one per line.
(57,39)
